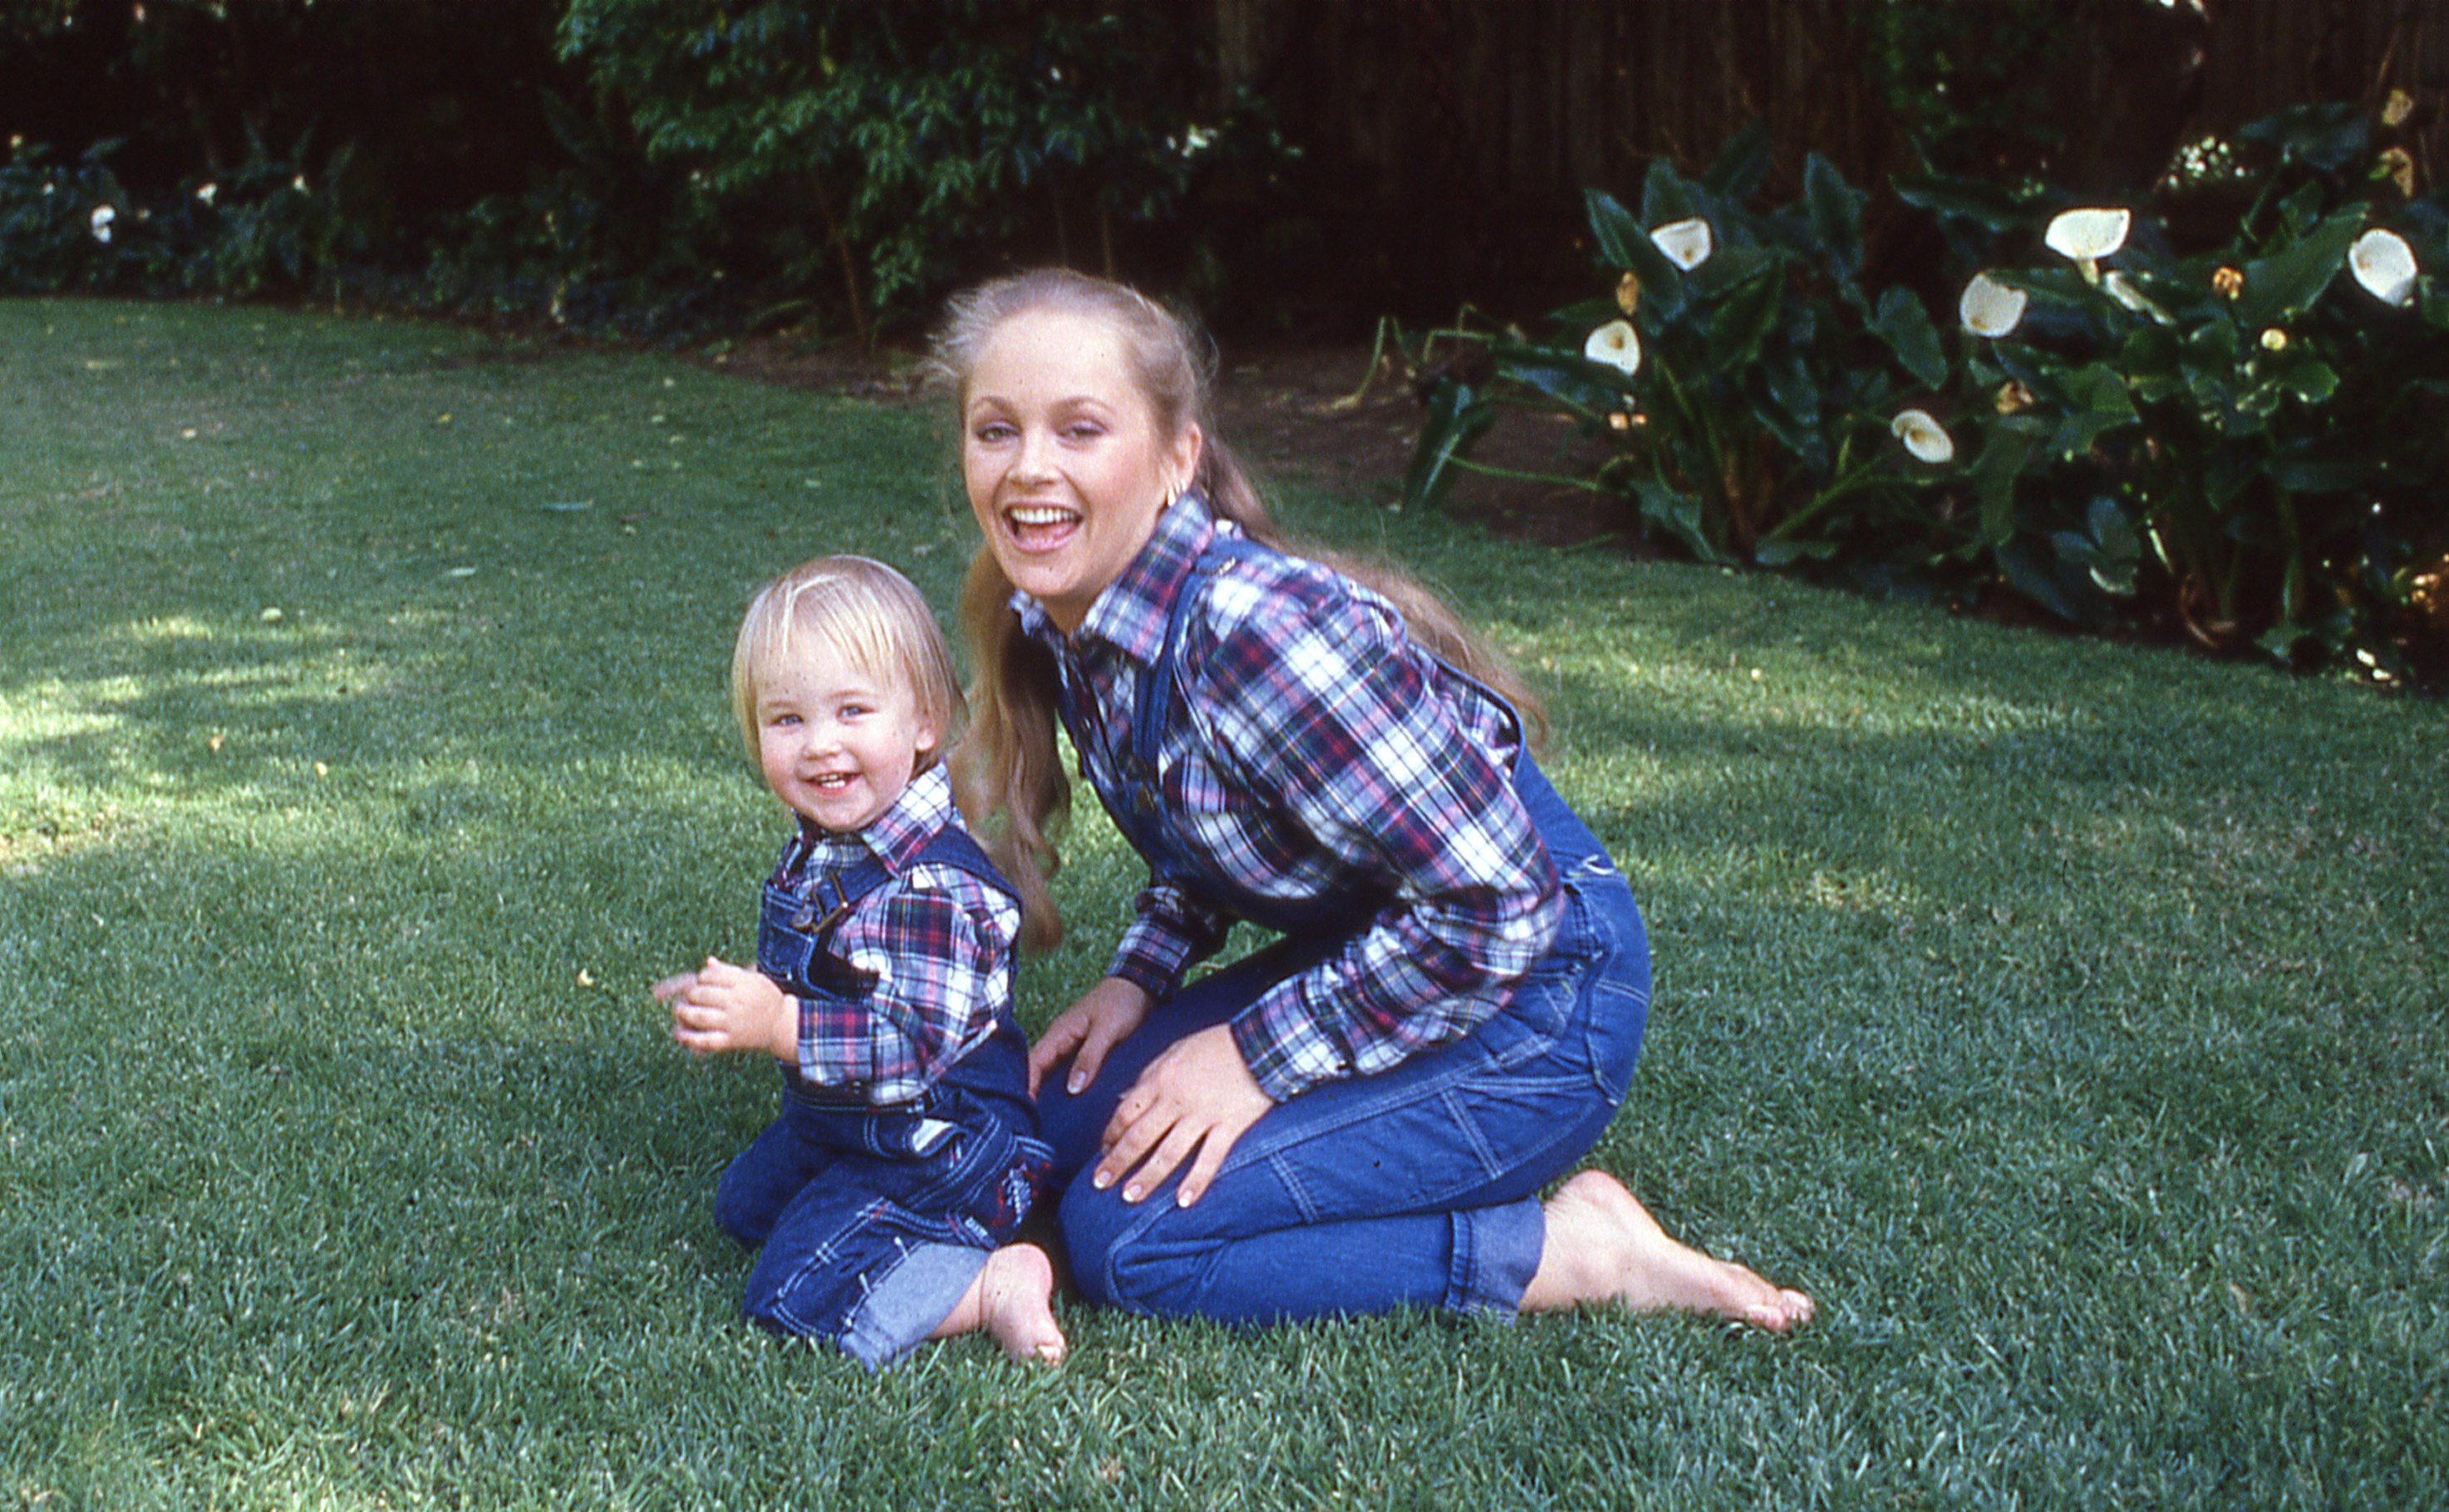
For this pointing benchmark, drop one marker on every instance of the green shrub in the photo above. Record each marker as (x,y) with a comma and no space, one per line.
(863,154)
(2239,441)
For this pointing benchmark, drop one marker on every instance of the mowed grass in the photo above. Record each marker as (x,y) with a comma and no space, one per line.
(2068,1017)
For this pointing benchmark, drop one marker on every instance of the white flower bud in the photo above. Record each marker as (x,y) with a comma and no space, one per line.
(1925,437)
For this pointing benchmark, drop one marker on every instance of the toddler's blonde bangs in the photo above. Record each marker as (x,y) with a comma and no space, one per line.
(860,610)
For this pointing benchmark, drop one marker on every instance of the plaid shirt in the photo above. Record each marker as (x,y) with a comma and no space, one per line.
(938,941)
(1315,753)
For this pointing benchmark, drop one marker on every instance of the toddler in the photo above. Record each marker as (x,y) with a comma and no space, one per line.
(886,1195)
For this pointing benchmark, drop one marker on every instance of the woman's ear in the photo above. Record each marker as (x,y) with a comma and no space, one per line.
(1187,449)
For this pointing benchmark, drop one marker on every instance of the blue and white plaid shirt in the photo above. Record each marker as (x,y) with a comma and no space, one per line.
(1315,752)
(938,941)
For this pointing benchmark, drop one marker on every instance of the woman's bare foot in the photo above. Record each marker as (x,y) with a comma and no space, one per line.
(1014,1300)
(1603,1246)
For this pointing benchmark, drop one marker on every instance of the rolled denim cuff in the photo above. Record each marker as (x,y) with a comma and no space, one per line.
(906,1304)
(1495,1254)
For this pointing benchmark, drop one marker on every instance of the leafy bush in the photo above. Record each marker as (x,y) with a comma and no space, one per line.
(2239,441)
(260,228)
(878,148)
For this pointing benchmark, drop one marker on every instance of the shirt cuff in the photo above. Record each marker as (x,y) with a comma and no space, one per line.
(1286,1052)
(1151,958)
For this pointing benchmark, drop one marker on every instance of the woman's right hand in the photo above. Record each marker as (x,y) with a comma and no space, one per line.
(1086,1031)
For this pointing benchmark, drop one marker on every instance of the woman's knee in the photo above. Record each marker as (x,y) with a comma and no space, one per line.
(1116,1254)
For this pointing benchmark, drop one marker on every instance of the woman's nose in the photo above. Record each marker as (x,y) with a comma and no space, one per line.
(1035,457)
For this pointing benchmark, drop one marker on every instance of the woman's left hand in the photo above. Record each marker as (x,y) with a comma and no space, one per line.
(1198,1095)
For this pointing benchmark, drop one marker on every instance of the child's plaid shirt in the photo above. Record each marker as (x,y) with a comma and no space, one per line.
(938,941)
(1317,753)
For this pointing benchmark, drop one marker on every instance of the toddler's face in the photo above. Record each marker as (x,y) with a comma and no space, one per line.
(836,745)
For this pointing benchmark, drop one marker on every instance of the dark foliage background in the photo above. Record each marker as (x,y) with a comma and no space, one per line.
(1303,165)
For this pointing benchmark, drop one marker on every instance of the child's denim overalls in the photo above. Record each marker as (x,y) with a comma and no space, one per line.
(873,1220)
(1414,1187)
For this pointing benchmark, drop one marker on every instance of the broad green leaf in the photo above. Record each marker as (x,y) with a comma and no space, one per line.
(1983,204)
(1742,164)
(1743,322)
(1679,515)
(2115,532)
(1905,326)
(1792,411)
(1993,481)
(2311,382)
(2293,277)
(1456,418)
(1836,216)
(1667,196)
(2328,135)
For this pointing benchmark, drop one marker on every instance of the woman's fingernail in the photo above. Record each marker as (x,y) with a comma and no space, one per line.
(1132,1193)
(1076,1083)
(1183,1196)
(1102,1180)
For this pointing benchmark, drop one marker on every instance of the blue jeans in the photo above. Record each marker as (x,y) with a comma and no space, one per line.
(874,1222)
(1414,1187)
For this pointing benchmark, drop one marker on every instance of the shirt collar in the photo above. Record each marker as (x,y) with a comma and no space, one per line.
(1130,614)
(896,835)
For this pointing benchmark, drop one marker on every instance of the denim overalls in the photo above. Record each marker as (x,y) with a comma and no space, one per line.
(873,1220)
(1413,1187)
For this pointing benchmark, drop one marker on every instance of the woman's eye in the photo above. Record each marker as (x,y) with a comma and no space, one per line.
(995,432)
(1082,430)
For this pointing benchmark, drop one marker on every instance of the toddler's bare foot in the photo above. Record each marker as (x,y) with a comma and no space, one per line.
(1603,1246)
(1014,1300)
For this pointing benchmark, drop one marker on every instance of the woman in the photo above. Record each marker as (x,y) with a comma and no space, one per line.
(1359,1117)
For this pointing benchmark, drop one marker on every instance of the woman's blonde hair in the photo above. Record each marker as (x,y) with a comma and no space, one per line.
(1012,783)
(855,608)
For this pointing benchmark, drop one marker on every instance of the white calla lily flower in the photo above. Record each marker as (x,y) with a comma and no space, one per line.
(2384,264)
(2088,236)
(1925,437)
(1616,344)
(1990,308)
(1685,244)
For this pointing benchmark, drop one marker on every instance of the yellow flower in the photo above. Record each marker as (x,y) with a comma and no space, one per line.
(1628,292)
(2397,166)
(2399,105)
(2014,398)
(2274,339)
(2227,283)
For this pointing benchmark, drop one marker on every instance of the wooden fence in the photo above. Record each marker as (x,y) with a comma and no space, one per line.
(1467,128)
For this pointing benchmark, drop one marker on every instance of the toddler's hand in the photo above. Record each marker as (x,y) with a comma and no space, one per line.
(722,1007)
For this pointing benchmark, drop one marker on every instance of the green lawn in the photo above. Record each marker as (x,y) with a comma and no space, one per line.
(2070,1017)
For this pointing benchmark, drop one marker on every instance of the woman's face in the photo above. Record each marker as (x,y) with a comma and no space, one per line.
(1061,453)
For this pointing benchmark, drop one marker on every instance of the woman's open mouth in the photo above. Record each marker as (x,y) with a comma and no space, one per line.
(1040,526)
